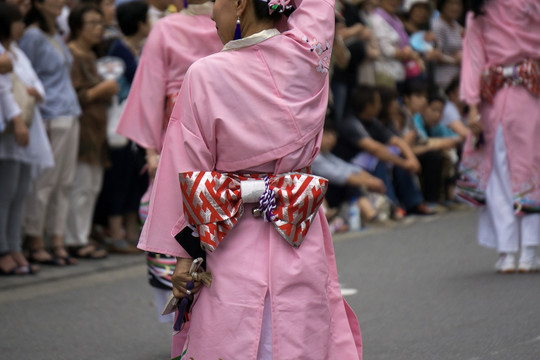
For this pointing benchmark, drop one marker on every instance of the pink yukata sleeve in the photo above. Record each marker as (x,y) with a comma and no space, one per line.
(184,150)
(473,62)
(314,19)
(142,119)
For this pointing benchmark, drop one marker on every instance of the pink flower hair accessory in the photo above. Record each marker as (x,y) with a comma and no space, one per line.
(278,5)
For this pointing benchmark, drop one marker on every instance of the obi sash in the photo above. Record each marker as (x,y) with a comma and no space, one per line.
(214,202)
(526,73)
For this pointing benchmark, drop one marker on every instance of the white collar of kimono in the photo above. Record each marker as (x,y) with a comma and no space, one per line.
(198,9)
(251,40)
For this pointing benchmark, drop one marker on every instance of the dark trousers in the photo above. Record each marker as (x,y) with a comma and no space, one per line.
(401,187)
(431,177)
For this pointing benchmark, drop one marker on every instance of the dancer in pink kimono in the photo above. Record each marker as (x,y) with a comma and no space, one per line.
(254,111)
(501,82)
(174,43)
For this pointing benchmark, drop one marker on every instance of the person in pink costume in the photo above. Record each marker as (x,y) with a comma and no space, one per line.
(258,106)
(175,42)
(501,164)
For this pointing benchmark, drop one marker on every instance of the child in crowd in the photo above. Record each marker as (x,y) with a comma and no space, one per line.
(454,109)
(428,122)
(436,141)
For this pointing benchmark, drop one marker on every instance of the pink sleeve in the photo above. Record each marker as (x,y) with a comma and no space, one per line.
(143,116)
(184,149)
(473,63)
(314,19)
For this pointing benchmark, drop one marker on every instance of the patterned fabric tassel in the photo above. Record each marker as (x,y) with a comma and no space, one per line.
(182,306)
(205,278)
(238,30)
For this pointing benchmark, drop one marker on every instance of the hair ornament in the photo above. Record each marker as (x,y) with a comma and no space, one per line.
(281,6)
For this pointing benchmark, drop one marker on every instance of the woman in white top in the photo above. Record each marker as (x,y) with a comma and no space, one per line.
(23,152)
(398,61)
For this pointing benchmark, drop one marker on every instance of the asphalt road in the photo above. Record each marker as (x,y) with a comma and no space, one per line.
(424,291)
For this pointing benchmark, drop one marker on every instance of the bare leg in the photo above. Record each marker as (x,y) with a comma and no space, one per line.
(60,250)
(132,227)
(116,228)
(36,244)
(367,210)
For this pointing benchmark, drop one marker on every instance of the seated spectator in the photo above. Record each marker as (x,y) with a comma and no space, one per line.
(428,124)
(373,146)
(393,117)
(347,182)
(453,111)
(438,138)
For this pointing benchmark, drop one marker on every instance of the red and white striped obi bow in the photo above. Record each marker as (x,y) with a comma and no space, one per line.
(526,73)
(214,202)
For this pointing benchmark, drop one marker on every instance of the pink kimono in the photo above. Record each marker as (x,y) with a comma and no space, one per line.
(506,34)
(175,42)
(257,106)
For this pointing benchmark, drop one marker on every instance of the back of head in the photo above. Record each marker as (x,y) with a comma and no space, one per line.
(477,6)
(130,15)
(360,97)
(388,95)
(436,97)
(95,2)
(453,86)
(9,13)
(415,87)
(34,16)
(265,10)
(329,120)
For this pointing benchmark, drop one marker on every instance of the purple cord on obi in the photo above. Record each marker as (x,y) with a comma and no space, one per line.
(182,306)
(267,202)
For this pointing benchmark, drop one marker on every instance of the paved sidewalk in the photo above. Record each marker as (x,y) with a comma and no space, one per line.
(50,273)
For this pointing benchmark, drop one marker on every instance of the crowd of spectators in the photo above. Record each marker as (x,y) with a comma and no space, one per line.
(71,187)
(390,146)
(395,112)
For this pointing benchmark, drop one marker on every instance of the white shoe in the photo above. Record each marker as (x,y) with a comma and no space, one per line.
(529,264)
(506,263)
